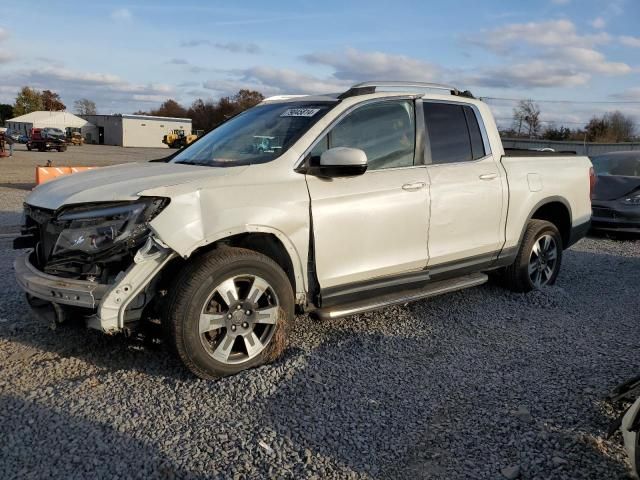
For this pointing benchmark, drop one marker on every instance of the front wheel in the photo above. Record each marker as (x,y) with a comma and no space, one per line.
(231,309)
(539,258)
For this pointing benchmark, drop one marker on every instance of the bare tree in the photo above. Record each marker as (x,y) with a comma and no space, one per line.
(84,106)
(612,127)
(526,118)
(621,127)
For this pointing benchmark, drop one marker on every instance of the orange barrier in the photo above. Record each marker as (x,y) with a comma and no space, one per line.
(45,174)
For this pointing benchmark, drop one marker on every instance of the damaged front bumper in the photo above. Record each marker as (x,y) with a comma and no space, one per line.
(111,302)
(79,293)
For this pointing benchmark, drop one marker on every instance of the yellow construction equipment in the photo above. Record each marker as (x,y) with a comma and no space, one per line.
(75,139)
(178,138)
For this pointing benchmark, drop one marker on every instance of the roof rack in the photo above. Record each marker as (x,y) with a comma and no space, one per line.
(370,87)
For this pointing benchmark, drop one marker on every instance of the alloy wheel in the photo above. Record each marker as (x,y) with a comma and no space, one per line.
(239,319)
(543,260)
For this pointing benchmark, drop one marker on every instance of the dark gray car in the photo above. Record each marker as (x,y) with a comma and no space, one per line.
(616,198)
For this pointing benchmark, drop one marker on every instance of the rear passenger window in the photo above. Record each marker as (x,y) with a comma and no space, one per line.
(454,134)
(477,145)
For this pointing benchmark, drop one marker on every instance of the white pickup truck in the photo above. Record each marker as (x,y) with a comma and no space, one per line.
(331,204)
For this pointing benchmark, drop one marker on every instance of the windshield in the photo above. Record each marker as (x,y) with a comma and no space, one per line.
(258,135)
(624,165)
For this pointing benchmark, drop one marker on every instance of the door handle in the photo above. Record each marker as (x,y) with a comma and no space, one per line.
(413,186)
(488,176)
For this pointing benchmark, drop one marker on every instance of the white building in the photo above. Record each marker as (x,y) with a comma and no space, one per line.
(42,119)
(134,130)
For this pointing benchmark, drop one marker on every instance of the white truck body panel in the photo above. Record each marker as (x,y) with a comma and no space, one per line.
(363,227)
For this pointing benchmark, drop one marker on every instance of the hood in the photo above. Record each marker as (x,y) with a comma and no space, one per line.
(118,182)
(612,187)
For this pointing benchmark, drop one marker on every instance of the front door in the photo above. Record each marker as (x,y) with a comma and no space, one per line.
(376,224)
(467,188)
(101,135)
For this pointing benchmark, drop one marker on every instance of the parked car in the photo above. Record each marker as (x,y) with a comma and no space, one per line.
(616,198)
(15,136)
(375,198)
(45,139)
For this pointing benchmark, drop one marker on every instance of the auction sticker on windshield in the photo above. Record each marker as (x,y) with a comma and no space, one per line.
(300,112)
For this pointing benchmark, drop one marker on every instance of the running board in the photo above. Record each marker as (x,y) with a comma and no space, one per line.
(431,289)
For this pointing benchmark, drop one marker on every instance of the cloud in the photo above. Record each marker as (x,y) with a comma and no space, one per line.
(588,60)
(122,15)
(631,94)
(598,23)
(109,91)
(5,56)
(554,33)
(354,65)
(235,47)
(348,67)
(181,62)
(194,43)
(559,56)
(536,73)
(629,41)
(271,81)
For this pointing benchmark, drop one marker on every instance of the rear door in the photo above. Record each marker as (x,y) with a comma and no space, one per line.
(467,187)
(375,224)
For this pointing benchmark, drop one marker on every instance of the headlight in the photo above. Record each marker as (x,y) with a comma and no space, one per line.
(632,200)
(93,229)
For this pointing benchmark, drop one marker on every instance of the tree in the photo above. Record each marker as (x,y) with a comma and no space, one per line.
(245,99)
(208,114)
(84,106)
(612,127)
(51,101)
(597,130)
(28,100)
(553,133)
(526,118)
(6,112)
(170,108)
(621,127)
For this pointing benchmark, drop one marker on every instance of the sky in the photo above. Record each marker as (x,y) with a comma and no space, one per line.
(130,56)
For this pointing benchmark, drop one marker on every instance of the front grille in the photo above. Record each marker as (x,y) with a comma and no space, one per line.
(603,212)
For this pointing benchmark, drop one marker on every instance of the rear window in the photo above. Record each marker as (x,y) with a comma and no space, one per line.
(626,166)
(454,133)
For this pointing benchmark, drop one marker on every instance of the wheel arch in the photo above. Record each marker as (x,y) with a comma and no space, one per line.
(556,210)
(266,240)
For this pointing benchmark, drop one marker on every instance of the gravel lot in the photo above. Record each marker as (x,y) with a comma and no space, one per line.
(482,383)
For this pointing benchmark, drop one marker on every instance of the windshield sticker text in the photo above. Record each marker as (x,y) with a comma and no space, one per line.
(300,112)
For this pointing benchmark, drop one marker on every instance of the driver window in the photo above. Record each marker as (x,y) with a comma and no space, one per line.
(384,130)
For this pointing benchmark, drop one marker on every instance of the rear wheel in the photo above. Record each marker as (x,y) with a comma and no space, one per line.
(539,258)
(231,310)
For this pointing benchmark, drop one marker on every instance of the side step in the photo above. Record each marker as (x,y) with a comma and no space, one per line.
(429,290)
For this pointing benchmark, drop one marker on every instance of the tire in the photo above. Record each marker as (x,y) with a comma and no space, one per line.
(531,271)
(216,332)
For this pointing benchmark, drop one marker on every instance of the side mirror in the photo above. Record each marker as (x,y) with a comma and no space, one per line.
(340,162)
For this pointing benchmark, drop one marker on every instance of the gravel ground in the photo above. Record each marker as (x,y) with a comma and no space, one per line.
(482,383)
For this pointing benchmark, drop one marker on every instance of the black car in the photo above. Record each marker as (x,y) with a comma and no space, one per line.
(616,198)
